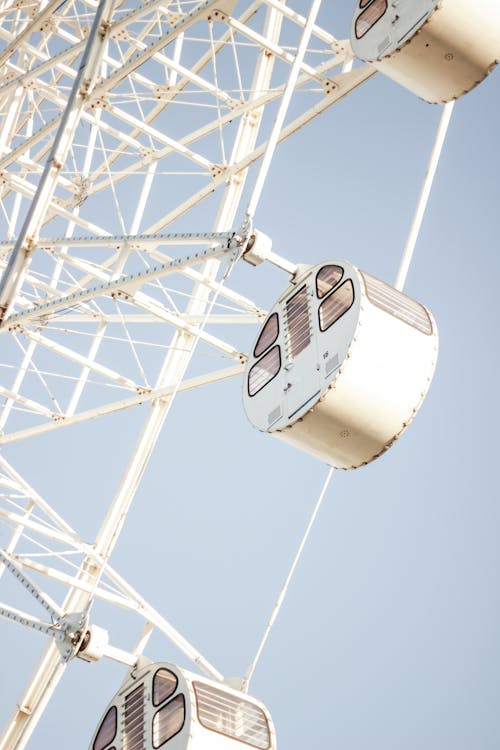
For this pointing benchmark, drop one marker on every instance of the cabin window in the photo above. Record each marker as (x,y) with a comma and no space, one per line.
(164,685)
(107,730)
(268,335)
(326,278)
(264,370)
(369,17)
(133,720)
(336,305)
(232,716)
(396,303)
(169,720)
(298,322)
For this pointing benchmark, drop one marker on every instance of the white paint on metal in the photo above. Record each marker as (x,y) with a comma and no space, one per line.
(437,50)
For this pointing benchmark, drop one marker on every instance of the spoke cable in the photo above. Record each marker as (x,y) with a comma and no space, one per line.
(284,590)
(406,258)
(407,255)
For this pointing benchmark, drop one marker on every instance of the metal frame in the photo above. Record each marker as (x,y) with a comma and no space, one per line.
(105,90)
(64,296)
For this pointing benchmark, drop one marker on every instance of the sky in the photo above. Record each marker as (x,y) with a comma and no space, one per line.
(389,635)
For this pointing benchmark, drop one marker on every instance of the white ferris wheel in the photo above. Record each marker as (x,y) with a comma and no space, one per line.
(148,151)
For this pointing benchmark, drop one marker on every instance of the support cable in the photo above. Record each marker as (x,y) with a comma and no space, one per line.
(280,117)
(406,258)
(407,255)
(284,590)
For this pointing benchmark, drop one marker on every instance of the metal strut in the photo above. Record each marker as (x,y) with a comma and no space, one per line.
(233,246)
(66,629)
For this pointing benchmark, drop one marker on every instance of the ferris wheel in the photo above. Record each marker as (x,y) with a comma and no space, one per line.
(201,200)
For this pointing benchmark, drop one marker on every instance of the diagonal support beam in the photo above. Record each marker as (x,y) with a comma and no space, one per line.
(82,87)
(115,287)
(128,403)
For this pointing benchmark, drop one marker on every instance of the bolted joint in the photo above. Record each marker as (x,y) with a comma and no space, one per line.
(329,86)
(104,28)
(68,633)
(29,246)
(217,15)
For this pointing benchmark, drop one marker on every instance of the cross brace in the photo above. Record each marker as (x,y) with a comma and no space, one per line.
(67,629)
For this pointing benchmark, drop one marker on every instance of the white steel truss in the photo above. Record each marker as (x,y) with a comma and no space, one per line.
(113,273)
(127,134)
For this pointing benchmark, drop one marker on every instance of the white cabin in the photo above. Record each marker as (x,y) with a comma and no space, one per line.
(438,49)
(341,365)
(162,705)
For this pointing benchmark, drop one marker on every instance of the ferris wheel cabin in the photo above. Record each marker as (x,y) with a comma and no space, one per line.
(341,365)
(162,705)
(438,49)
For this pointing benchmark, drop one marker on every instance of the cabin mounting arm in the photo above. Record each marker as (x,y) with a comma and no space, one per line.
(71,631)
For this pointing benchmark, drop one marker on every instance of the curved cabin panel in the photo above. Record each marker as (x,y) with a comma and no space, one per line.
(438,49)
(341,365)
(163,706)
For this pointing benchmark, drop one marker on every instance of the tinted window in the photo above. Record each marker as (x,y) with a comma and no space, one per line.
(336,305)
(107,730)
(264,370)
(398,304)
(164,685)
(369,17)
(326,278)
(268,336)
(168,721)
(231,715)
